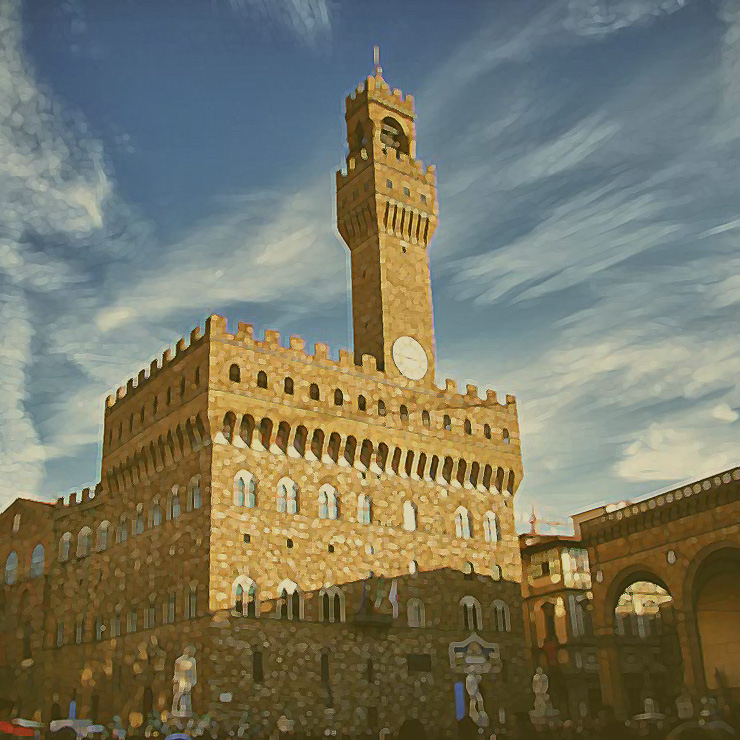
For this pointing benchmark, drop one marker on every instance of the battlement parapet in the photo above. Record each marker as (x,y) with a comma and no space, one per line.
(398,160)
(376,89)
(132,387)
(216,328)
(77,498)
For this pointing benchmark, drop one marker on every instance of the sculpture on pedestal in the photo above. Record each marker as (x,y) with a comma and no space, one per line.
(184,681)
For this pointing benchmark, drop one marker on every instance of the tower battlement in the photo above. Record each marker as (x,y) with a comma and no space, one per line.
(216,328)
(398,160)
(376,89)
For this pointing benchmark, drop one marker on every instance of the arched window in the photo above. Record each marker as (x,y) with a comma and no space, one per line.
(404,414)
(425,419)
(472,614)
(139,522)
(364,509)
(468,427)
(415,613)
(288,386)
(38,558)
(338,397)
(462,523)
(11,568)
(505,436)
(244,596)
(447,422)
(491,528)
(409,516)
(99,628)
(132,621)
(122,531)
(487,431)
(101,538)
(155,514)
(324,502)
(361,403)
(195,500)
(287,496)
(64,544)
(83,542)
(235,374)
(393,136)
(262,379)
(244,489)
(331,604)
(16,523)
(290,603)
(501,616)
(176,510)
(381,408)
(313,392)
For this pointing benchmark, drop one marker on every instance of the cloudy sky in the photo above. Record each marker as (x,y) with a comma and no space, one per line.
(162,160)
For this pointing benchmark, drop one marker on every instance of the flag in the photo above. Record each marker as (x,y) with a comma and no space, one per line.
(393,597)
(379,595)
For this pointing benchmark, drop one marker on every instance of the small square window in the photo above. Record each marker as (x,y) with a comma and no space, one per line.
(290,543)
(423,199)
(331,548)
(406,191)
(389,183)
(247,538)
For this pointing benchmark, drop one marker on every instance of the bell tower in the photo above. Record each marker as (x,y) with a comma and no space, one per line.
(386,214)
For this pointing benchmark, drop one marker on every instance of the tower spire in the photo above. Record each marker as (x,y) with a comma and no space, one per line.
(376,60)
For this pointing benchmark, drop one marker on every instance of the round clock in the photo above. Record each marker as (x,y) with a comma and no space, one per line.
(410,358)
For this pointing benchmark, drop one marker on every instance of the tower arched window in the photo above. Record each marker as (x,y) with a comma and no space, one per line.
(287,496)
(393,136)
(468,427)
(338,397)
(501,616)
(262,379)
(288,386)
(102,536)
(364,509)
(64,544)
(235,374)
(195,500)
(122,531)
(176,509)
(84,542)
(505,436)
(409,516)
(290,603)
(472,613)
(381,408)
(331,604)
(38,560)
(11,568)
(425,420)
(404,414)
(462,523)
(313,392)
(328,502)
(155,514)
(139,521)
(447,422)
(487,431)
(491,529)
(361,403)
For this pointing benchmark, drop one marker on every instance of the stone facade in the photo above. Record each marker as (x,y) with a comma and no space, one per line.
(263,503)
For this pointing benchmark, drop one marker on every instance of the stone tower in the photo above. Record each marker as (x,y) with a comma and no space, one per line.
(386,214)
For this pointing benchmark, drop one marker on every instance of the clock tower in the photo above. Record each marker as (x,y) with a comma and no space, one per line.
(386,214)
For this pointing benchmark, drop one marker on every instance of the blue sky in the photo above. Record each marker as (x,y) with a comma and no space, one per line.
(162,160)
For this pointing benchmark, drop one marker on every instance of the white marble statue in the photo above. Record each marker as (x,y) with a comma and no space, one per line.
(477,711)
(184,680)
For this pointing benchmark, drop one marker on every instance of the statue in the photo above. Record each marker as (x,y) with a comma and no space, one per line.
(543,710)
(184,680)
(477,712)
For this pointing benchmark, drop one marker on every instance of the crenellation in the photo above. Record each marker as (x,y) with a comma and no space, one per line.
(346,359)
(491,397)
(471,391)
(450,387)
(297,344)
(321,351)
(180,347)
(196,334)
(141,378)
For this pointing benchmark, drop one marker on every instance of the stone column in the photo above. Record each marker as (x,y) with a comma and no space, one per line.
(612,685)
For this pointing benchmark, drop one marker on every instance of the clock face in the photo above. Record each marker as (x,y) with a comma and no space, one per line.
(410,358)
